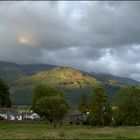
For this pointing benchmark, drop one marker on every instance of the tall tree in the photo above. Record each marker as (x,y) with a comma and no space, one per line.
(100,110)
(4,95)
(128,106)
(83,105)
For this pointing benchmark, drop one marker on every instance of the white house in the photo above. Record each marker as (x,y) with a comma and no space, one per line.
(34,116)
(30,115)
(12,114)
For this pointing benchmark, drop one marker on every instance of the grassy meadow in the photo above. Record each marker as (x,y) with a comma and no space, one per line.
(44,131)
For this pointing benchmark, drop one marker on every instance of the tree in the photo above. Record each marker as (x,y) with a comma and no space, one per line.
(54,108)
(4,95)
(83,105)
(42,91)
(48,102)
(128,106)
(100,110)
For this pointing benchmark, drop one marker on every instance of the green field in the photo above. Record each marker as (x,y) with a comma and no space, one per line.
(44,131)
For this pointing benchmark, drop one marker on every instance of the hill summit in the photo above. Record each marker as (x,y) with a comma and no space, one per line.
(65,77)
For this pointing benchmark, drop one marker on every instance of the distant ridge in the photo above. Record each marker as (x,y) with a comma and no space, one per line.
(31,69)
(122,80)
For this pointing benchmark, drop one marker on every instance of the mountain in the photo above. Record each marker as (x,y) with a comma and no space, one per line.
(10,72)
(59,77)
(23,78)
(31,69)
(112,79)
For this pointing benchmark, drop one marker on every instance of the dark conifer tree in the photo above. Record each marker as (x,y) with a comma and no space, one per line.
(100,110)
(4,95)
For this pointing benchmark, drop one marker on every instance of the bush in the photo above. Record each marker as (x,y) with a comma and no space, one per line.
(128,106)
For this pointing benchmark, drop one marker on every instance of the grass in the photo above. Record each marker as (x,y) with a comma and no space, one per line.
(44,131)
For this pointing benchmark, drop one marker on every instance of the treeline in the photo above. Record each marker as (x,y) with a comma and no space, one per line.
(49,103)
(125,112)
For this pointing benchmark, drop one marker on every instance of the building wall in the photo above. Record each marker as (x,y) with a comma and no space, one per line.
(4,116)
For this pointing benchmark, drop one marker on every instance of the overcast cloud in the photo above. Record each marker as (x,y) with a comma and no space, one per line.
(92,36)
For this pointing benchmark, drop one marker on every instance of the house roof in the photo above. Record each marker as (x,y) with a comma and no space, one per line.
(8,111)
(75,112)
(27,113)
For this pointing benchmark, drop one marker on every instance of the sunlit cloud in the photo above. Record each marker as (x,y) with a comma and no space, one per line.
(27,40)
(24,40)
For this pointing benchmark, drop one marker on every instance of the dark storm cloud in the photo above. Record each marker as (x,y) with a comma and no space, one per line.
(113,24)
(93,36)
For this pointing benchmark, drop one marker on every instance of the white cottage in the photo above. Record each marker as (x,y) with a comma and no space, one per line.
(10,114)
(13,114)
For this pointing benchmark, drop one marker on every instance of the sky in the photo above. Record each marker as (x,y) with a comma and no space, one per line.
(98,36)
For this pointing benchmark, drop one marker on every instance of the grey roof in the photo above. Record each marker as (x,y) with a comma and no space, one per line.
(75,112)
(27,113)
(8,111)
